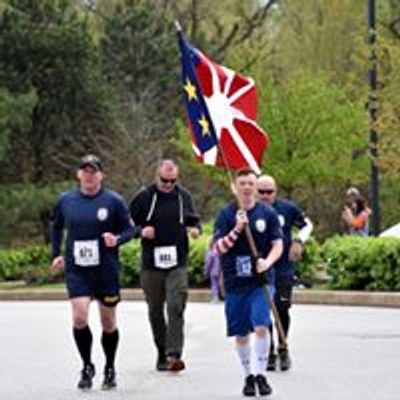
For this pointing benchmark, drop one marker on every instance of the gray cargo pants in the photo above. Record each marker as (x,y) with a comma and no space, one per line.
(168,287)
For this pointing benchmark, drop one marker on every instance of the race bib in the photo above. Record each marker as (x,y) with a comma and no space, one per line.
(165,257)
(86,253)
(243,266)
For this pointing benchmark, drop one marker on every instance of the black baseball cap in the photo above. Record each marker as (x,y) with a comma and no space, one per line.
(92,161)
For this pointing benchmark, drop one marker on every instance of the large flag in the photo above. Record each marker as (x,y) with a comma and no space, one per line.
(222,108)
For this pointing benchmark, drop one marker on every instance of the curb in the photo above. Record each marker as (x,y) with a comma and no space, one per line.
(347,298)
(300,296)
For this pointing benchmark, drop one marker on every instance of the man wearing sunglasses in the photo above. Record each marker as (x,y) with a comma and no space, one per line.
(165,214)
(290,216)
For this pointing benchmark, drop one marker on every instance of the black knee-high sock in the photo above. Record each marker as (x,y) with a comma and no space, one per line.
(83,339)
(285,320)
(109,342)
(271,343)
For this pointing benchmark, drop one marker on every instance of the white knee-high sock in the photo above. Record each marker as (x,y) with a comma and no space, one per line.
(245,357)
(261,345)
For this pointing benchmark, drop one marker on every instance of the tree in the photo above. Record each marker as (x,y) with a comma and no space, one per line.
(15,114)
(46,47)
(313,128)
(140,58)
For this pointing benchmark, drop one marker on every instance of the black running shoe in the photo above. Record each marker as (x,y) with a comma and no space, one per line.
(284,359)
(162,364)
(87,375)
(249,388)
(109,381)
(271,366)
(264,389)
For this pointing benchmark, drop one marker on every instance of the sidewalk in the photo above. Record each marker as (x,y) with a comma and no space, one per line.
(301,296)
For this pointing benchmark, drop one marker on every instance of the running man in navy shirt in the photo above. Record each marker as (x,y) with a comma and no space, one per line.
(290,216)
(246,305)
(97,221)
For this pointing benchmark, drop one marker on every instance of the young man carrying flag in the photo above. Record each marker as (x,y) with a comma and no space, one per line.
(246,306)
(221,108)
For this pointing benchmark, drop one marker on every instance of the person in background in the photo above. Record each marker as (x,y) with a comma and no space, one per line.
(213,272)
(97,221)
(290,216)
(356,214)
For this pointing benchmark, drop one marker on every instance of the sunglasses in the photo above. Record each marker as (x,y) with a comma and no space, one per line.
(266,191)
(165,180)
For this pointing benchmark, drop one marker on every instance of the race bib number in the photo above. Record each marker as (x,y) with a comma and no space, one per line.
(165,257)
(86,253)
(243,266)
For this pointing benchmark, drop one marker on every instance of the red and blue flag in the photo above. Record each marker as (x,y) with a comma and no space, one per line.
(222,108)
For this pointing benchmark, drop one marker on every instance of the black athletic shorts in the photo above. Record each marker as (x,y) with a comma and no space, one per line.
(95,282)
(284,290)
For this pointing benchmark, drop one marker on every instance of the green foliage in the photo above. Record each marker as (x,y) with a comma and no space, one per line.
(31,264)
(312,126)
(215,182)
(363,263)
(25,211)
(311,266)
(197,253)
(353,263)
(130,262)
(139,49)
(103,76)
(46,47)
(15,116)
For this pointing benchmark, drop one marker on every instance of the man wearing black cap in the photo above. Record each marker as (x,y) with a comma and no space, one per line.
(97,221)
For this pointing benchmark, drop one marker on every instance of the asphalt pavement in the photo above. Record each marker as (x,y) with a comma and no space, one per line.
(339,353)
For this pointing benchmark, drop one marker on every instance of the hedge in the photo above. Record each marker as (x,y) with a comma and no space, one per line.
(361,263)
(30,264)
(351,263)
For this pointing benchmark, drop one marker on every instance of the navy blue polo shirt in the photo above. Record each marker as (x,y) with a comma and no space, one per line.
(265,228)
(289,215)
(86,218)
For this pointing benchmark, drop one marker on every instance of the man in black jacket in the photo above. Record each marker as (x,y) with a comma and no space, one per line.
(165,214)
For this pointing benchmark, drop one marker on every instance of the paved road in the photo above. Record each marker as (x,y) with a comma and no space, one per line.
(340,353)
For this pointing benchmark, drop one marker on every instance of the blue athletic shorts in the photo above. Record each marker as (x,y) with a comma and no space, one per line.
(94,282)
(245,311)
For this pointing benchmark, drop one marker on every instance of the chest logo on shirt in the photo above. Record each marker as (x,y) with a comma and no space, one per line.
(102,214)
(261,225)
(281,219)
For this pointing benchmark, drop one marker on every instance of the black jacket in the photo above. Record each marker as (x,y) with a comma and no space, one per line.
(170,214)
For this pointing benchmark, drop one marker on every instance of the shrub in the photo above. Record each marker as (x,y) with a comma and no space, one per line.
(311,267)
(130,262)
(130,256)
(32,264)
(361,263)
(25,211)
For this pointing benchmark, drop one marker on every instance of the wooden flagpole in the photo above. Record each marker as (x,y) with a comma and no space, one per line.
(247,230)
